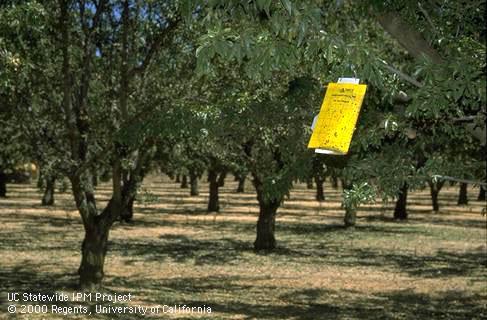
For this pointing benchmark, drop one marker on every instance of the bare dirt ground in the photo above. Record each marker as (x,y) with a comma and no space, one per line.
(431,267)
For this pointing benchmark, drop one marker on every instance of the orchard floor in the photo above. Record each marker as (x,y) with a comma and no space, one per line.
(430,267)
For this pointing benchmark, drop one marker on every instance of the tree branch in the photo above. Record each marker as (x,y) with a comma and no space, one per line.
(402,75)
(154,47)
(408,37)
(426,15)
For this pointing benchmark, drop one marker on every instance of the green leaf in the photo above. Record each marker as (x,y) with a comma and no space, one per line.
(264,5)
(301,33)
(288,6)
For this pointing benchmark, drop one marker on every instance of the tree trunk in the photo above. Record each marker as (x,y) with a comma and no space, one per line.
(193,180)
(241,183)
(127,214)
(309,183)
(48,197)
(93,252)
(481,196)
(178,178)
(95,179)
(350,217)
(350,213)
(320,194)
(97,226)
(221,178)
(3,184)
(463,196)
(40,180)
(400,212)
(184,182)
(266,225)
(434,191)
(434,198)
(334,182)
(213,201)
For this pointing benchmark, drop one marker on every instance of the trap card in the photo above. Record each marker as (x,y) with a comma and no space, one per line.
(335,124)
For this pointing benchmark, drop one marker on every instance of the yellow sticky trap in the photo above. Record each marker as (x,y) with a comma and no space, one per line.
(337,118)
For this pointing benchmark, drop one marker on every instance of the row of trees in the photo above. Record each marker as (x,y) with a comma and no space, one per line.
(92,86)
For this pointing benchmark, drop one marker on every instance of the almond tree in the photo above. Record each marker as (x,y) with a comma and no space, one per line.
(95,55)
(417,102)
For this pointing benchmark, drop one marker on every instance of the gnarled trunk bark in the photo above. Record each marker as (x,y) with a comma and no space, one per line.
(221,178)
(3,184)
(184,182)
(320,194)
(265,239)
(434,199)
(127,213)
(400,211)
(435,188)
(213,200)
(93,252)
(40,180)
(95,179)
(241,183)
(481,196)
(463,195)
(350,218)
(309,183)
(48,197)
(96,226)
(193,181)
(129,190)
(334,182)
